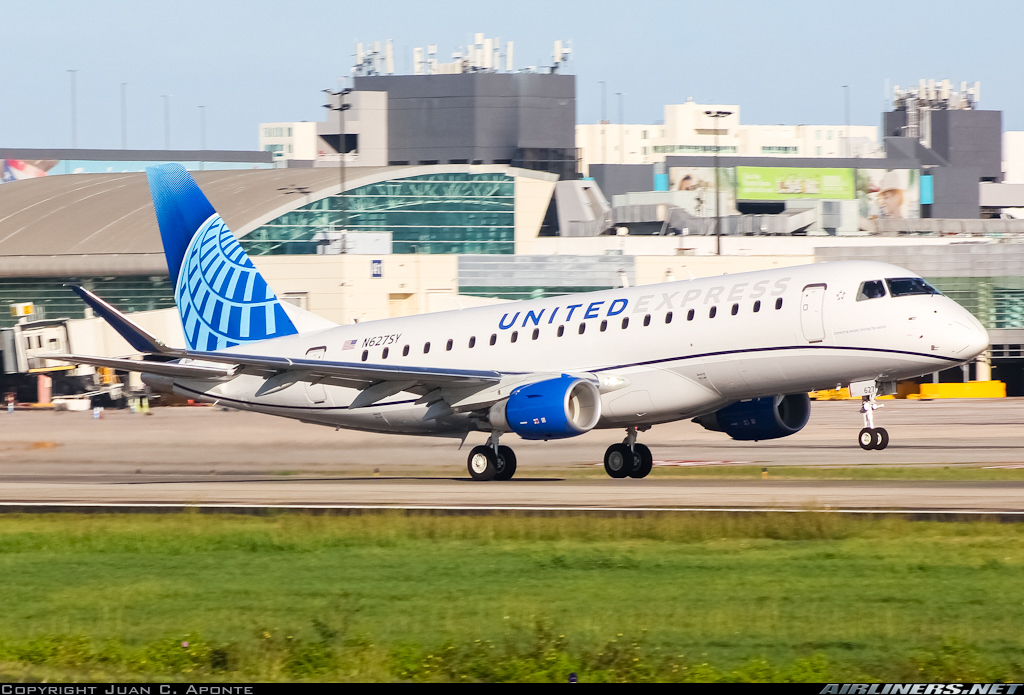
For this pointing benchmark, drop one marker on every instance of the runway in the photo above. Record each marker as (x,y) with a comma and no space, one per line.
(204,456)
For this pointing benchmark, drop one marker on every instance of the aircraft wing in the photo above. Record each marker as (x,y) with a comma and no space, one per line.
(347,372)
(173,369)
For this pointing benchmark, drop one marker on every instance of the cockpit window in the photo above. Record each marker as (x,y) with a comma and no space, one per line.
(902,287)
(872,289)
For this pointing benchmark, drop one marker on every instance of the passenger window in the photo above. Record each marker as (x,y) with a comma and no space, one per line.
(561,331)
(689,315)
(515,336)
(472,341)
(583,328)
(903,287)
(365,354)
(735,309)
(426,348)
(714,310)
(757,306)
(604,326)
(448,346)
(625,323)
(536,333)
(647,320)
(778,303)
(405,351)
(871,289)
(384,354)
(494,338)
(668,317)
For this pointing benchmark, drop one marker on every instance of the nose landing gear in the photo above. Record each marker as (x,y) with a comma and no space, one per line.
(871,437)
(629,459)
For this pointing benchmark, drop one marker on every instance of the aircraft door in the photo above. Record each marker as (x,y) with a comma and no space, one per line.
(812,320)
(315,392)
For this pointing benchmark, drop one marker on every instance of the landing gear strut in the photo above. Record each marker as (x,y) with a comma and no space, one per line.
(492,462)
(871,437)
(629,459)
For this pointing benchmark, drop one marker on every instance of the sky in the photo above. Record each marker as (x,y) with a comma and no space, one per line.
(250,61)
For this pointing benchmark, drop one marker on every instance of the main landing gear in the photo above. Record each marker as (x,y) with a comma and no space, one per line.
(629,459)
(491,462)
(871,437)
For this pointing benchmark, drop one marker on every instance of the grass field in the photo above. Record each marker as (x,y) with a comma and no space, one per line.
(509,597)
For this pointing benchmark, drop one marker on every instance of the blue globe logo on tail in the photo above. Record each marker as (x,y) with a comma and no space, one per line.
(222,299)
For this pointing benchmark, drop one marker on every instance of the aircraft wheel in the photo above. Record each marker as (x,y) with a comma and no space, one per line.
(506,464)
(881,438)
(482,463)
(866,438)
(643,461)
(618,461)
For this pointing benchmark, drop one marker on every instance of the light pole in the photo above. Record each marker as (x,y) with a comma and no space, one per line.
(202,134)
(167,120)
(341,108)
(846,88)
(124,115)
(718,203)
(622,142)
(74,111)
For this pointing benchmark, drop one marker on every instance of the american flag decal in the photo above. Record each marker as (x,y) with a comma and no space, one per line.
(349,344)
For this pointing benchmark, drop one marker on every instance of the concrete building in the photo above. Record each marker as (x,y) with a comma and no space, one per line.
(688,130)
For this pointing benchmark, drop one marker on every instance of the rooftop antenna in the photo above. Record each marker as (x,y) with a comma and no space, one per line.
(389,58)
(508,57)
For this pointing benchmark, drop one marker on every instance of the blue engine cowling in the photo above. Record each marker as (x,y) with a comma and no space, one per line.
(551,409)
(760,418)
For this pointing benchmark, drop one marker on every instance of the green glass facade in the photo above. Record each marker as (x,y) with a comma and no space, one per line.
(998,302)
(433,213)
(129,294)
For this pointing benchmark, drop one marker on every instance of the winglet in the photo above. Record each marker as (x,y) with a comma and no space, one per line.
(141,340)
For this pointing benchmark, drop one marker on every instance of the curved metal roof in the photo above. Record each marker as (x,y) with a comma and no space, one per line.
(104,224)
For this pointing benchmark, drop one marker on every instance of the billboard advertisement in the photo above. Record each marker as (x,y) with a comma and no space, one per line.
(784,183)
(694,190)
(17,169)
(887,194)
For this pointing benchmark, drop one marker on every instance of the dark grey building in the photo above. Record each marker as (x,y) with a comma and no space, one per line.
(527,120)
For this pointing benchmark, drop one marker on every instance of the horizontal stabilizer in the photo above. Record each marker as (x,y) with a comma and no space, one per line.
(172,369)
(138,338)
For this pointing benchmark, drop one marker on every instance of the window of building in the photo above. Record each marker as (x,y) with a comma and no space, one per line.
(289,132)
(779,149)
(431,213)
(735,309)
(817,135)
(449,344)
(817,151)
(778,303)
(689,315)
(712,312)
(647,320)
(644,150)
(643,134)
(829,135)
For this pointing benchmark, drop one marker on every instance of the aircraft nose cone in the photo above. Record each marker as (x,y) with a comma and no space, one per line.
(971,334)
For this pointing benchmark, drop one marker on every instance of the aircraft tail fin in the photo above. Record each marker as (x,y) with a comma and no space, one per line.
(221,297)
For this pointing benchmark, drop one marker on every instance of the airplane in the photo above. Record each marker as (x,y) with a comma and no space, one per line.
(737,353)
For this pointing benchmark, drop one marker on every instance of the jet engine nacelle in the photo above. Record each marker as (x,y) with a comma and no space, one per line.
(550,409)
(770,417)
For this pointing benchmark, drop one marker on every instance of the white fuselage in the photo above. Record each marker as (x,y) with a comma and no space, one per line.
(809,331)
